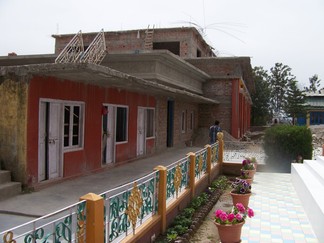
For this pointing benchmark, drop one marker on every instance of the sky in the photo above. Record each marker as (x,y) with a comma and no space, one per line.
(269,31)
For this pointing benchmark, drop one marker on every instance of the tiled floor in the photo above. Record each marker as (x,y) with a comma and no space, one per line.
(279,215)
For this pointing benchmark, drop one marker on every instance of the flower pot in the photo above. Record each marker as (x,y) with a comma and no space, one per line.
(248,180)
(241,198)
(249,173)
(230,233)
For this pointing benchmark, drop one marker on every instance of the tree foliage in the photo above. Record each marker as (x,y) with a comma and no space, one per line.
(295,101)
(314,83)
(277,94)
(279,80)
(260,99)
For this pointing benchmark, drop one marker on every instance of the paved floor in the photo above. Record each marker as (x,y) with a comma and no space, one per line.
(279,215)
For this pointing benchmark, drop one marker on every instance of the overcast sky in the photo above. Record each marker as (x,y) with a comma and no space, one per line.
(269,31)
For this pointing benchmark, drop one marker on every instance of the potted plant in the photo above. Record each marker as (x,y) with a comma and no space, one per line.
(229,224)
(244,176)
(248,168)
(254,162)
(241,192)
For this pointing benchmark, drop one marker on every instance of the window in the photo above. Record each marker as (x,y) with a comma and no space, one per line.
(149,123)
(121,124)
(173,47)
(73,125)
(191,120)
(183,121)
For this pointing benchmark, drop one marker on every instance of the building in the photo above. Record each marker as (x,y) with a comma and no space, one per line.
(314,109)
(152,91)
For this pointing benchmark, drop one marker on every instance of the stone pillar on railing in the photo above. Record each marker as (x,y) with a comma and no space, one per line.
(94,217)
(209,162)
(192,174)
(220,136)
(323,150)
(162,197)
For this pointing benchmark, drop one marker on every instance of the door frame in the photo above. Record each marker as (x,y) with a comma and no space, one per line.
(43,117)
(111,108)
(138,139)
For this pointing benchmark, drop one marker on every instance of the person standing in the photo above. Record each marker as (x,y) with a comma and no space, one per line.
(213,130)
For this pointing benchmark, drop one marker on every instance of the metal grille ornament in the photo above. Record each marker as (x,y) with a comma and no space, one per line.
(135,202)
(177,179)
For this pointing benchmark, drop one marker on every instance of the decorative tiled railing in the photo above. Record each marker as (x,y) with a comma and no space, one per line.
(140,195)
(177,177)
(65,225)
(117,213)
(200,163)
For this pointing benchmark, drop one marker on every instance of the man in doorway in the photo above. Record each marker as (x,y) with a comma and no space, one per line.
(213,130)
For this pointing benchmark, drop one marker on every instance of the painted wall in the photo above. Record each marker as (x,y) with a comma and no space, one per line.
(89,158)
(13,120)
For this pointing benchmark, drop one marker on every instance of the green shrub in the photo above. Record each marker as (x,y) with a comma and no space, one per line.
(287,142)
(220,183)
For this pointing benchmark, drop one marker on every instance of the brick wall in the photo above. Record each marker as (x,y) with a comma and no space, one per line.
(220,90)
(179,138)
(133,40)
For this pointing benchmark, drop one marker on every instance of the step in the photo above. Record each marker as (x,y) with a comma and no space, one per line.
(9,189)
(310,192)
(5,176)
(320,159)
(317,168)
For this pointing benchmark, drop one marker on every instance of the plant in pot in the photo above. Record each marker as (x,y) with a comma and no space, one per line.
(248,168)
(229,224)
(241,192)
(244,176)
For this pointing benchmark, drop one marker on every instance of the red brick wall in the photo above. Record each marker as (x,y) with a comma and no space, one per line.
(133,40)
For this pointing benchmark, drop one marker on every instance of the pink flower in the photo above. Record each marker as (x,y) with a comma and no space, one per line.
(223,216)
(230,217)
(218,213)
(250,213)
(240,207)
(238,217)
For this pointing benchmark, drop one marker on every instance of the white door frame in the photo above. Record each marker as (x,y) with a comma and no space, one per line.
(50,139)
(108,143)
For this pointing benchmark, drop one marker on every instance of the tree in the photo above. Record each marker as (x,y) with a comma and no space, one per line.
(260,99)
(314,83)
(279,79)
(295,101)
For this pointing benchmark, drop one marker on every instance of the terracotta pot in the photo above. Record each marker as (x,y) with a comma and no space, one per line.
(250,181)
(249,173)
(229,233)
(241,198)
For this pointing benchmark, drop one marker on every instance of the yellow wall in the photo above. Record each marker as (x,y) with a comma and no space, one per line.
(13,120)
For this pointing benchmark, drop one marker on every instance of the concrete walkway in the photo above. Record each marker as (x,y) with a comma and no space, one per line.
(28,206)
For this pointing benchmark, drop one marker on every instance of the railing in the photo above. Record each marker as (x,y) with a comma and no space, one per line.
(177,178)
(115,215)
(200,163)
(237,152)
(119,200)
(65,225)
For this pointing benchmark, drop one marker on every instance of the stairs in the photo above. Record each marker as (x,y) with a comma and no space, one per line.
(308,180)
(7,187)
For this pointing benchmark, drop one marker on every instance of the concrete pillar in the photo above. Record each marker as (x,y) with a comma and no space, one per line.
(94,217)
(162,197)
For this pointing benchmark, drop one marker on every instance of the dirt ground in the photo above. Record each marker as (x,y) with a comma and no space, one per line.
(207,232)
